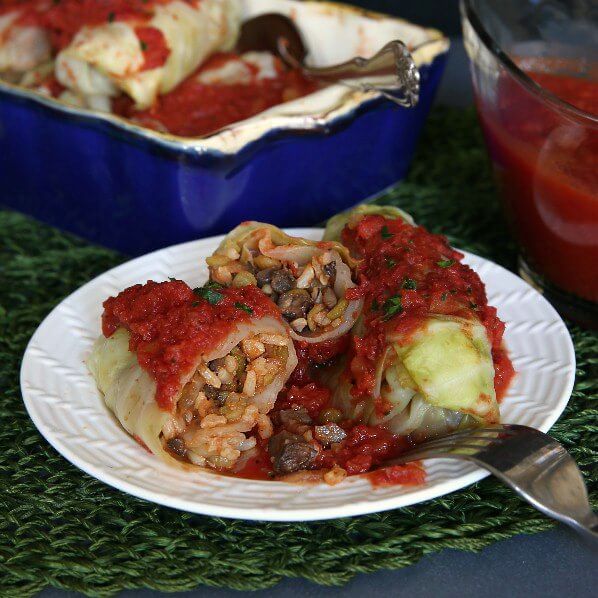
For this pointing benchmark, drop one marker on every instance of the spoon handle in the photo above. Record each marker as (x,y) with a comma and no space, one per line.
(393,62)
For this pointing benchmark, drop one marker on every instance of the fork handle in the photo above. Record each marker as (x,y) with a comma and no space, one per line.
(536,466)
(548,478)
(393,59)
(562,496)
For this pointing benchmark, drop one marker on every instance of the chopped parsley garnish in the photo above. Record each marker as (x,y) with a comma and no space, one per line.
(473,305)
(409,284)
(445,263)
(443,296)
(385,233)
(390,263)
(143,45)
(172,279)
(209,294)
(111,17)
(375,305)
(392,306)
(195,304)
(243,307)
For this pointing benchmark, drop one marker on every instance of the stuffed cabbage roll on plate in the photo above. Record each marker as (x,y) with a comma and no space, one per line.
(426,353)
(308,280)
(192,374)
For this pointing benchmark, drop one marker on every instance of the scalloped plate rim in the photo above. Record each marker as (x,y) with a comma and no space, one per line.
(361,507)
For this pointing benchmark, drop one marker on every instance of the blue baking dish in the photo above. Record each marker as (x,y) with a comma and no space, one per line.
(133,189)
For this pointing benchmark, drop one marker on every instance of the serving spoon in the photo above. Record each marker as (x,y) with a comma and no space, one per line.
(532,463)
(278,34)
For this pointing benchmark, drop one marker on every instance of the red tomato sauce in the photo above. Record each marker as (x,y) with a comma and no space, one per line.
(364,448)
(154,47)
(372,447)
(405,274)
(546,165)
(312,397)
(171,326)
(311,356)
(504,372)
(65,18)
(322,352)
(257,467)
(194,108)
(411,474)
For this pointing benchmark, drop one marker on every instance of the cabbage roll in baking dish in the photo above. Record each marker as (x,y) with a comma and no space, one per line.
(192,374)
(422,362)
(308,280)
(147,57)
(23,45)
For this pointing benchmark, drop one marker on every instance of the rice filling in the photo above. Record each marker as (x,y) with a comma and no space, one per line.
(216,410)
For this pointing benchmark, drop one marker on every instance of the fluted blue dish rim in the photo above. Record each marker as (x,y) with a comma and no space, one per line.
(344,109)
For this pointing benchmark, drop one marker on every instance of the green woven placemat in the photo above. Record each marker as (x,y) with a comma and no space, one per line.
(62,528)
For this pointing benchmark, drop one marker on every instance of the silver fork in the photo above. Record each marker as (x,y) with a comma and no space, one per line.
(279,34)
(535,465)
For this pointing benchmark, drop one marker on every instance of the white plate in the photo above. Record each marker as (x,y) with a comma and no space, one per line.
(63,402)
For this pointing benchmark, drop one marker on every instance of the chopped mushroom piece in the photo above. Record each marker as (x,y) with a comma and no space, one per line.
(330,271)
(282,281)
(177,446)
(215,394)
(290,452)
(295,304)
(216,364)
(329,433)
(264,277)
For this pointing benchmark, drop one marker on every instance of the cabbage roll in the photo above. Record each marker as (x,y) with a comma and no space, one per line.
(421,363)
(105,60)
(22,46)
(439,379)
(191,373)
(308,280)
